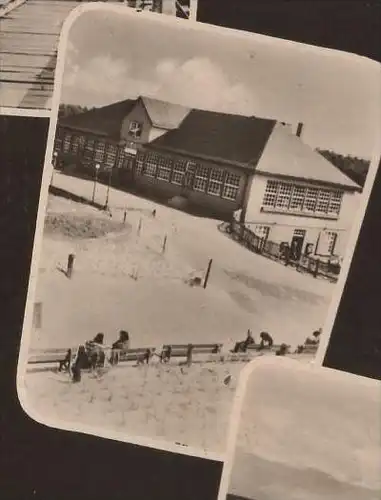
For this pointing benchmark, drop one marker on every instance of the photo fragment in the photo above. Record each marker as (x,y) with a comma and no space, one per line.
(306,432)
(30,31)
(198,214)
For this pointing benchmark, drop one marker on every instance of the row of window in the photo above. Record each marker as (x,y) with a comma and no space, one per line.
(93,150)
(213,181)
(295,198)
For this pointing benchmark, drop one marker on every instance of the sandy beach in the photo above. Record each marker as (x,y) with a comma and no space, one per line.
(123,280)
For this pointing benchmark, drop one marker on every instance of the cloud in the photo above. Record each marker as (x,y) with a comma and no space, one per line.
(101,75)
(197,82)
(200,83)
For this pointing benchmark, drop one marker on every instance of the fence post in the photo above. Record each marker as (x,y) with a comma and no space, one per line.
(208,273)
(124,216)
(189,354)
(37,315)
(164,244)
(316,270)
(287,256)
(70,265)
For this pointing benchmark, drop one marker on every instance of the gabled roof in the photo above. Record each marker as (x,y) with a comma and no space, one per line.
(106,121)
(232,139)
(164,114)
(287,155)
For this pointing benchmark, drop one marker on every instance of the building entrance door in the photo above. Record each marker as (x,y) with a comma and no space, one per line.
(297,243)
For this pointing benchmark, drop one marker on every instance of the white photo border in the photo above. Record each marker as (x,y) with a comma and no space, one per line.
(37,246)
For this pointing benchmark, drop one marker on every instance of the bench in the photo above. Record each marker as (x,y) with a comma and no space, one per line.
(64,356)
(139,354)
(185,350)
(307,349)
(256,347)
(51,355)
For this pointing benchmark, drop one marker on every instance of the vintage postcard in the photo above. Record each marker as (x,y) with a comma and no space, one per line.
(202,196)
(304,432)
(30,32)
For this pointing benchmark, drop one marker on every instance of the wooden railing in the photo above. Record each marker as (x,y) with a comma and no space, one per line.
(273,250)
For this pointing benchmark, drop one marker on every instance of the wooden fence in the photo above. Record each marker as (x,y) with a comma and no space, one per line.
(272,250)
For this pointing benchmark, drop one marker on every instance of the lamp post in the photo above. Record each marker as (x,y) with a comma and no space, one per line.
(97,167)
(54,163)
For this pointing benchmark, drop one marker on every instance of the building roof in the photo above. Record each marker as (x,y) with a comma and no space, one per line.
(164,114)
(106,121)
(287,155)
(207,135)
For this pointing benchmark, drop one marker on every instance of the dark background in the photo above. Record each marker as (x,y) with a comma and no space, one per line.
(39,462)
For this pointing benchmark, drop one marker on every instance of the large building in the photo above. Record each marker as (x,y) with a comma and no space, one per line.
(281,188)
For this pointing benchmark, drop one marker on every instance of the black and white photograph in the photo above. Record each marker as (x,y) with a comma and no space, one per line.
(306,432)
(30,31)
(199,211)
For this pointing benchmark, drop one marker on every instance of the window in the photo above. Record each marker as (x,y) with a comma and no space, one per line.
(139,164)
(120,158)
(296,198)
(75,144)
(99,151)
(311,199)
(215,182)
(270,194)
(332,238)
(67,143)
(58,144)
(283,195)
(81,141)
(150,166)
(178,172)
(89,149)
(190,170)
(164,169)
(201,178)
(231,186)
(335,202)
(323,201)
(111,155)
(327,243)
(135,129)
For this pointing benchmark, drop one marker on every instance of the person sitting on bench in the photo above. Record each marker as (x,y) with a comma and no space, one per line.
(266,340)
(283,350)
(315,338)
(81,362)
(244,344)
(121,345)
(95,351)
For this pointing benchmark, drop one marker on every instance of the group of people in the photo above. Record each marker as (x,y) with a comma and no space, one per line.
(265,342)
(92,354)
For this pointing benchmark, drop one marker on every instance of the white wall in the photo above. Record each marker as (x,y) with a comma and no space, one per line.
(283,225)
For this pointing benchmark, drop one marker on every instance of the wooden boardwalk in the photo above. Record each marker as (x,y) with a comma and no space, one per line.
(28,52)
(29,34)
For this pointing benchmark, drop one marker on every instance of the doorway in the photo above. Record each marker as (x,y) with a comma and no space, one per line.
(297,243)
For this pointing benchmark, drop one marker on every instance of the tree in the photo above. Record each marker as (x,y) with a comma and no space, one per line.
(353,167)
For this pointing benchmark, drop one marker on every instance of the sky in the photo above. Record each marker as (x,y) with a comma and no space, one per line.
(114,56)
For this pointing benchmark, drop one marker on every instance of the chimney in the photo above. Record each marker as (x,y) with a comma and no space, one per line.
(299,129)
